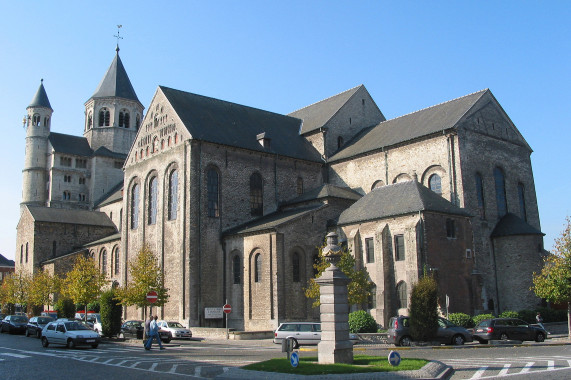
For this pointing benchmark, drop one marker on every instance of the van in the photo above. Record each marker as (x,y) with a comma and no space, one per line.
(303,333)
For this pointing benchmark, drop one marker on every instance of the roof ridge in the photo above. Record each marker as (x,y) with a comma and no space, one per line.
(435,105)
(322,100)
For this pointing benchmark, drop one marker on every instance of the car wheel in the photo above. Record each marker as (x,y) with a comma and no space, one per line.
(27,333)
(540,337)
(504,336)
(94,345)
(166,340)
(458,340)
(483,341)
(70,343)
(405,341)
(45,342)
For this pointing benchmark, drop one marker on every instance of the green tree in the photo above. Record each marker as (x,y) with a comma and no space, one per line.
(424,309)
(362,322)
(554,281)
(111,312)
(84,282)
(359,289)
(43,287)
(145,274)
(15,288)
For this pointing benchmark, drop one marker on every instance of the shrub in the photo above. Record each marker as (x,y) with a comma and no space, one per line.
(527,315)
(461,319)
(424,309)
(111,312)
(481,317)
(362,322)
(509,314)
(65,308)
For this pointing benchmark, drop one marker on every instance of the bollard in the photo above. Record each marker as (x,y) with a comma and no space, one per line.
(287,346)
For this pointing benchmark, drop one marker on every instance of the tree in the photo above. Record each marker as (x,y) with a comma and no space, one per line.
(145,274)
(84,282)
(110,314)
(554,281)
(42,288)
(359,289)
(15,288)
(424,309)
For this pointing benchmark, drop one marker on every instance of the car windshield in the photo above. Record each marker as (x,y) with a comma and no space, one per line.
(174,324)
(19,319)
(44,320)
(74,326)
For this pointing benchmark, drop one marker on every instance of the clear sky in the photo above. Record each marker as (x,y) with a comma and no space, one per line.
(281,56)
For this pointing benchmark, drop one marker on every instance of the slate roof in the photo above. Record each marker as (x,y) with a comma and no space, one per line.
(107,239)
(408,127)
(271,221)
(327,191)
(318,114)
(41,98)
(113,195)
(69,144)
(4,262)
(104,152)
(511,225)
(70,216)
(231,124)
(397,199)
(116,82)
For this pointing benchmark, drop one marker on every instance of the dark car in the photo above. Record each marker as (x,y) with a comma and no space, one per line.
(507,329)
(36,324)
(134,329)
(14,324)
(447,333)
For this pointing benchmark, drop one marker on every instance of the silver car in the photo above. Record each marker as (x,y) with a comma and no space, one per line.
(70,334)
(302,333)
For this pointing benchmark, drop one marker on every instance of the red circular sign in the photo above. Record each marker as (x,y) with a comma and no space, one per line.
(152,296)
(227,308)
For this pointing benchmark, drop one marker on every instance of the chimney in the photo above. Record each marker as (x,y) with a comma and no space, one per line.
(263,140)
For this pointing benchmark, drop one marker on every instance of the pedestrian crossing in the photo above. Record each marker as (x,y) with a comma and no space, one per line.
(483,368)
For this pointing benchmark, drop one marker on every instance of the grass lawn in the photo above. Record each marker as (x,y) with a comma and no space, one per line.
(361,363)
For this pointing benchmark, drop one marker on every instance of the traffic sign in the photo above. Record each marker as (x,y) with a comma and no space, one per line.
(152,296)
(227,308)
(294,359)
(394,358)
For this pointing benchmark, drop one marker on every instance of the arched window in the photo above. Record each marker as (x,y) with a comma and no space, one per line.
(135,206)
(116,260)
(124,119)
(377,184)
(258,268)
(237,269)
(500,181)
(126,124)
(36,120)
(295,267)
(152,205)
(26,252)
(521,198)
(104,117)
(173,195)
(213,193)
(155,145)
(103,260)
(121,118)
(120,219)
(402,296)
(435,184)
(46,121)
(256,195)
(480,195)
(372,299)
(90,120)
(299,185)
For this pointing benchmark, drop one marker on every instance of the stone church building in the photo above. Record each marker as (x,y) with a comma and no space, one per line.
(235,200)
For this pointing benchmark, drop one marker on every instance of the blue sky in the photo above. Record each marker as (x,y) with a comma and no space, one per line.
(283,56)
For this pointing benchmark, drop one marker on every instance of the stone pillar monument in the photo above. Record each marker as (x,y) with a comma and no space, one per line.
(335,346)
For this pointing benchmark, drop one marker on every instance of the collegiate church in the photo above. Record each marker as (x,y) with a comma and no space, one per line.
(235,200)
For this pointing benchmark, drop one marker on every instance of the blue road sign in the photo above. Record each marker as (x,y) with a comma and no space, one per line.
(394,358)
(294,359)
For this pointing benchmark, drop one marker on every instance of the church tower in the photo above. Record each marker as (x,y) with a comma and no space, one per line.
(37,124)
(113,113)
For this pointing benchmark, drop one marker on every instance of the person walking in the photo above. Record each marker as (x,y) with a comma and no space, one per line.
(154,333)
(539,320)
(147,329)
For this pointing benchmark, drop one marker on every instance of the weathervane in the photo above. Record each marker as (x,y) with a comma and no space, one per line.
(118,36)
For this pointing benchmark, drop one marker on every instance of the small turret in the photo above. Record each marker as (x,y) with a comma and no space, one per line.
(37,124)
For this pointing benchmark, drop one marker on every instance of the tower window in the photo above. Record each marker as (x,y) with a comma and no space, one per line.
(104,117)
(36,120)
(80,163)
(399,247)
(370,248)
(435,184)
(499,178)
(213,193)
(402,296)
(258,268)
(153,189)
(237,269)
(173,195)
(256,195)
(124,119)
(135,206)
(295,267)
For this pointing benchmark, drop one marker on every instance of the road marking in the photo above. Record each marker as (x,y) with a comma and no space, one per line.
(550,365)
(153,366)
(527,367)
(479,373)
(14,355)
(504,370)
(173,368)
(134,364)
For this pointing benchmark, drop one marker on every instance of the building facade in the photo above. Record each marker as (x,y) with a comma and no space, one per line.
(235,200)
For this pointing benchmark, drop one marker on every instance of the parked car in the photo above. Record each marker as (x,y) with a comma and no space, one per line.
(70,334)
(302,333)
(134,329)
(14,324)
(175,330)
(49,313)
(94,320)
(36,325)
(447,332)
(508,328)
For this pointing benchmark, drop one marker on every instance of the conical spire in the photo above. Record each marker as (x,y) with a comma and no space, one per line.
(41,98)
(116,82)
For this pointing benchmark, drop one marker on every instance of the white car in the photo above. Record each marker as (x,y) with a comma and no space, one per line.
(303,333)
(175,330)
(70,334)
